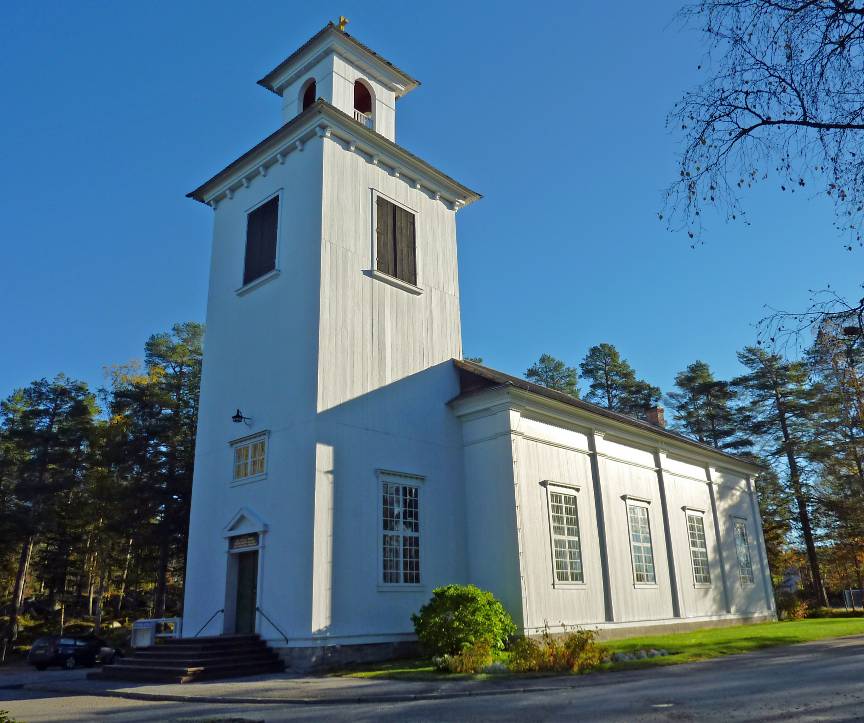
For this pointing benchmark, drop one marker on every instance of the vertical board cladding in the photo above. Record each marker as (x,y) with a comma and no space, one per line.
(492,548)
(273,327)
(688,493)
(373,334)
(629,472)
(555,458)
(734,503)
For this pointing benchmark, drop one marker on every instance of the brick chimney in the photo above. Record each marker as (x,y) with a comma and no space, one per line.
(656,417)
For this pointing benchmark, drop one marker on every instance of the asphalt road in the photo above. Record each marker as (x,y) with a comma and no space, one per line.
(813,682)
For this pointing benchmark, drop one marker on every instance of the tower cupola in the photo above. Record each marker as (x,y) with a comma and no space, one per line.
(337,68)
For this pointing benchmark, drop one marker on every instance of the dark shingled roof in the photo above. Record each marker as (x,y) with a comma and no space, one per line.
(475,378)
(267,80)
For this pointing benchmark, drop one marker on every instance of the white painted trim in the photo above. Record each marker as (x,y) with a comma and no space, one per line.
(632,499)
(258,524)
(566,486)
(348,133)
(393,281)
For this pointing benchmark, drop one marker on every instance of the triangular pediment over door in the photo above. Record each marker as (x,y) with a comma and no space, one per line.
(244,522)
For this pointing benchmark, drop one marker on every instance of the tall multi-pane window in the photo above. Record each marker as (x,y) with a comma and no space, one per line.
(742,550)
(400,533)
(698,548)
(566,546)
(250,459)
(640,544)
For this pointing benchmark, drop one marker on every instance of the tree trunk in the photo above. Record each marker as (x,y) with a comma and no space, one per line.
(801,503)
(122,592)
(97,623)
(162,579)
(18,590)
(91,584)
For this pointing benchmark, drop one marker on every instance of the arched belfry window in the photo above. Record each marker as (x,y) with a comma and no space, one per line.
(362,103)
(309,94)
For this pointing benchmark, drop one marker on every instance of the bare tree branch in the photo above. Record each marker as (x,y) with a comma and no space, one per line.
(784,96)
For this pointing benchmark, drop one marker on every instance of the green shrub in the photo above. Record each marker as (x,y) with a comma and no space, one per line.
(458,616)
(791,607)
(577,652)
(473,658)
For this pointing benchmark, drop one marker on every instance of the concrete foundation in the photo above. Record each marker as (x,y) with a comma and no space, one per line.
(329,657)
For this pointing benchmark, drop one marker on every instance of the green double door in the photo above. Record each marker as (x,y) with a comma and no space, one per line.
(247,591)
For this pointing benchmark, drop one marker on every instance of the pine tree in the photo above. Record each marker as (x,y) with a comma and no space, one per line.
(47,428)
(780,402)
(703,408)
(156,415)
(553,373)
(612,382)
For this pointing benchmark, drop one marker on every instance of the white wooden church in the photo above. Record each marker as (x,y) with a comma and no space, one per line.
(349,461)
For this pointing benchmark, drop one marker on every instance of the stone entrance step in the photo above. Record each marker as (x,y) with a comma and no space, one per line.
(190,659)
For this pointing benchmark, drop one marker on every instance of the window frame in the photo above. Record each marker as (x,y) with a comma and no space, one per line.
(639,502)
(742,521)
(700,515)
(248,441)
(404,479)
(415,289)
(275,271)
(571,490)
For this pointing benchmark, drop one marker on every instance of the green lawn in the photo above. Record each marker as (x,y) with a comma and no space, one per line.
(683,647)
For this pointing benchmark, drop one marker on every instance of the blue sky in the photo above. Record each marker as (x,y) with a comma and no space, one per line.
(554,111)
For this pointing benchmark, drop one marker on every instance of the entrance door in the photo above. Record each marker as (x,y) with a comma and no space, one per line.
(247,591)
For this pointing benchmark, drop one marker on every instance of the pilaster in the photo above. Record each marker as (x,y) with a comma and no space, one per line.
(599,507)
(674,588)
(709,471)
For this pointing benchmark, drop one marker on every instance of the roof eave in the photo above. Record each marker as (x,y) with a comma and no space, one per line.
(552,398)
(324,116)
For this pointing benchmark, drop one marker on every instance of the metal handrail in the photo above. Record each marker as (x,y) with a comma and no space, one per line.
(278,629)
(209,620)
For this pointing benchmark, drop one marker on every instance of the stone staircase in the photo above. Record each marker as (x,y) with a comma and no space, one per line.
(189,659)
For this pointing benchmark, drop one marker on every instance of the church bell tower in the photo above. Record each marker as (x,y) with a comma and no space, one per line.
(332,317)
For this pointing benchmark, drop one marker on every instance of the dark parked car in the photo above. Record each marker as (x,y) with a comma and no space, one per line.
(70,651)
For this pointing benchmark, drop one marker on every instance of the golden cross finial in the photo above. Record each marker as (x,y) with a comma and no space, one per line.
(343,21)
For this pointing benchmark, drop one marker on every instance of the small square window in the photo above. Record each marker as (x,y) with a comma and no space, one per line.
(250,458)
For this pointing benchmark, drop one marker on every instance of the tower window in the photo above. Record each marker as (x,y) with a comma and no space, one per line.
(395,241)
(362,104)
(362,98)
(261,240)
(309,94)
